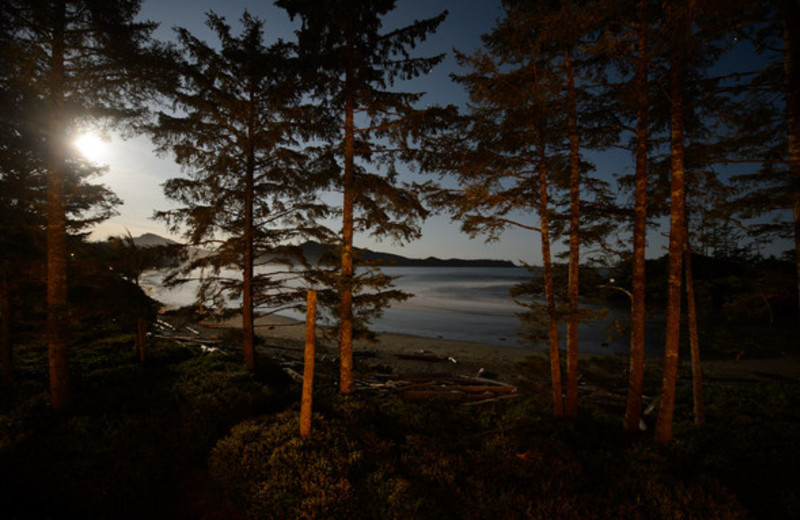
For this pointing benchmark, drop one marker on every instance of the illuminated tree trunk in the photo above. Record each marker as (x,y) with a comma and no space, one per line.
(574,247)
(346,384)
(57,307)
(308,364)
(679,23)
(633,410)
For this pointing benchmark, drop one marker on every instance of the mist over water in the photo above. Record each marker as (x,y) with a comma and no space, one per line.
(461,303)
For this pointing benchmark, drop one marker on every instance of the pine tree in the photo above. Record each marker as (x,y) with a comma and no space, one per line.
(250,190)
(679,18)
(523,142)
(504,155)
(633,407)
(625,47)
(695,36)
(555,37)
(640,95)
(73,58)
(351,66)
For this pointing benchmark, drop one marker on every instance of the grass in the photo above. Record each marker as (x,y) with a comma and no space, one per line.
(196,435)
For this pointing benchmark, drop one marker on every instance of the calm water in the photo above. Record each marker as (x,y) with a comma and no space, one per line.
(465,304)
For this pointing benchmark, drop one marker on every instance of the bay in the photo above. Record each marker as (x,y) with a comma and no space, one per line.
(454,303)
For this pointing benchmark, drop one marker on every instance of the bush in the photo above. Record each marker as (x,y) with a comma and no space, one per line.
(264,466)
(137,430)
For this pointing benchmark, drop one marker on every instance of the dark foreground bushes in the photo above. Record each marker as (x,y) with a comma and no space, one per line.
(137,431)
(386,459)
(140,433)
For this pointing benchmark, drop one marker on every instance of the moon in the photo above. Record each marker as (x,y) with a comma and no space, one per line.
(91,146)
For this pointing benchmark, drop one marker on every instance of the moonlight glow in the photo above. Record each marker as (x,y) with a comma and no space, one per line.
(92,146)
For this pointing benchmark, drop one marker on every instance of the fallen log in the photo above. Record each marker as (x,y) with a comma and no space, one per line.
(480,380)
(189,339)
(480,389)
(415,377)
(497,399)
(164,325)
(294,374)
(424,356)
(423,395)
(410,386)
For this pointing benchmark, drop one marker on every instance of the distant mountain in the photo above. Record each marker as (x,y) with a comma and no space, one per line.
(152,240)
(313,251)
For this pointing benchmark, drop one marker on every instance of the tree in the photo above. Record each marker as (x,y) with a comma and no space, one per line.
(527,84)
(250,189)
(679,18)
(504,156)
(766,121)
(73,57)
(351,67)
(628,58)
(129,260)
(633,407)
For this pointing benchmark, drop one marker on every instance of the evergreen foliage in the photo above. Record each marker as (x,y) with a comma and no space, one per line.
(351,68)
(66,63)
(517,153)
(250,189)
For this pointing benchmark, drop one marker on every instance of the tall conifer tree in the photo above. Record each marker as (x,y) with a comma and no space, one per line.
(351,66)
(625,48)
(679,18)
(546,37)
(249,191)
(506,155)
(75,57)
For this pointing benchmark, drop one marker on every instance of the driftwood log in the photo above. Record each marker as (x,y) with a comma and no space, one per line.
(445,387)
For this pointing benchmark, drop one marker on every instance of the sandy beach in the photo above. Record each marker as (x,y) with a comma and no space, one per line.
(394,352)
(399,353)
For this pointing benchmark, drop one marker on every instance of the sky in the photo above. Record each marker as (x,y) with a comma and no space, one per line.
(136,174)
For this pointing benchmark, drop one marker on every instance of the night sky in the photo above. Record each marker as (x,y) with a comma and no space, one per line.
(135,173)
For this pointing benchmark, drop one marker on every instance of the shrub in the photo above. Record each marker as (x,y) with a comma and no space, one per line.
(137,430)
(267,469)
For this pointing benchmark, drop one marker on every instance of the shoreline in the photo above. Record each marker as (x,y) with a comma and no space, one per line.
(394,351)
(391,352)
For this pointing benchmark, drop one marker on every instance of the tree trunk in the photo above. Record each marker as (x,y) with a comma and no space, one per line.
(57,306)
(694,336)
(308,364)
(790,13)
(574,246)
(679,22)
(6,352)
(248,325)
(346,384)
(633,410)
(549,291)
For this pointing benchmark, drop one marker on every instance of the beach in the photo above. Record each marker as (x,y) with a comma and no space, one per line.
(404,353)
(398,353)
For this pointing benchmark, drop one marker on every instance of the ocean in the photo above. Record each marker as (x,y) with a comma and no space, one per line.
(461,303)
